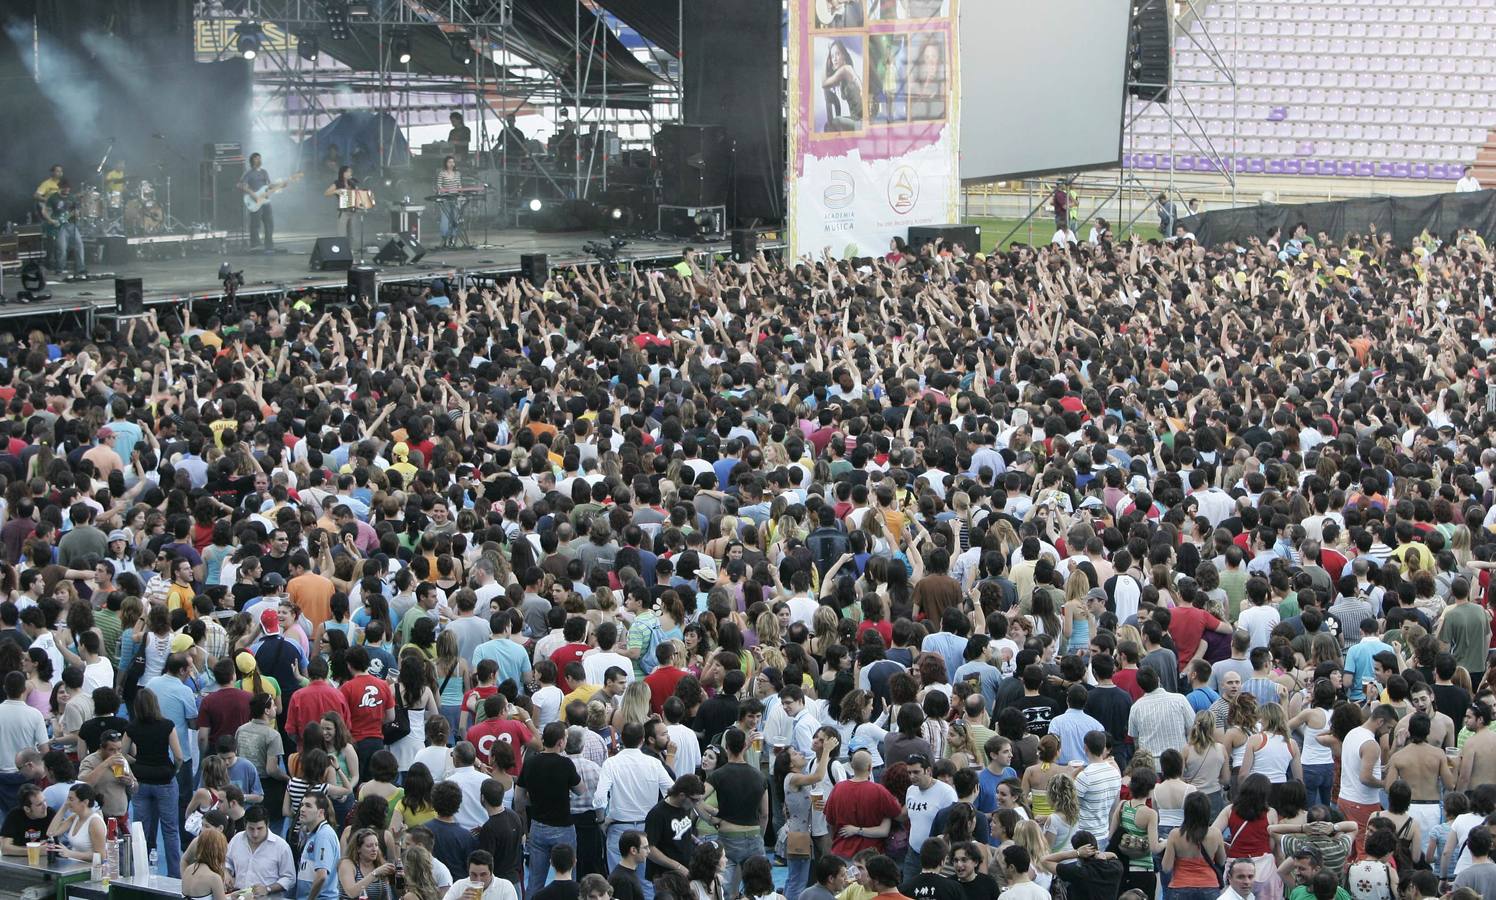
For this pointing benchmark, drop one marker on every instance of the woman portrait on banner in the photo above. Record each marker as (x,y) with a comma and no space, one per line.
(842,88)
(927,77)
(888,79)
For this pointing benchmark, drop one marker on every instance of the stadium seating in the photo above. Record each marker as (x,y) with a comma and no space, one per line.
(1354,88)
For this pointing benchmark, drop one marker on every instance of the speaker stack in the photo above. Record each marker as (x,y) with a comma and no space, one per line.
(1150,50)
(535,268)
(331,254)
(129,296)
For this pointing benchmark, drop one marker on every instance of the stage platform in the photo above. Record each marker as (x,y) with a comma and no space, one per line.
(193,277)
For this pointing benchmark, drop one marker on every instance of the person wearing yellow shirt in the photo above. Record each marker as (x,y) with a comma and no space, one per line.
(182,590)
(401,452)
(49,186)
(582,691)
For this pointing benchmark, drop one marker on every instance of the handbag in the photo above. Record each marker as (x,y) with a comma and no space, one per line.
(194,823)
(399,727)
(797,844)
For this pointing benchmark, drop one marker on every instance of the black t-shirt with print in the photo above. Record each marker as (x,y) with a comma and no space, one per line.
(671,830)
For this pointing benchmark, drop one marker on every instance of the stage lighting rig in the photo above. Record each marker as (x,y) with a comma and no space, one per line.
(400,47)
(535,204)
(462,51)
(337,19)
(250,36)
(308,48)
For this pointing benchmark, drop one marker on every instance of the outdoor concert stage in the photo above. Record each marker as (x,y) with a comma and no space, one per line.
(194,279)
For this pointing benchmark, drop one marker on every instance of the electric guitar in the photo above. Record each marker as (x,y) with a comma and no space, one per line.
(254,202)
(828,10)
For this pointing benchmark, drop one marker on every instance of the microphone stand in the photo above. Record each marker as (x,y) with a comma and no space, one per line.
(107,150)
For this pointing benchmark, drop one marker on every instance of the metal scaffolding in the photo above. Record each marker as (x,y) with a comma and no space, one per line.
(505,72)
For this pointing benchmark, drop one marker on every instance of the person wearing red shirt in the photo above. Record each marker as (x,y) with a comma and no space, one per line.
(1188,624)
(664,678)
(497,727)
(371,703)
(315,700)
(858,805)
(575,632)
(222,711)
(1126,676)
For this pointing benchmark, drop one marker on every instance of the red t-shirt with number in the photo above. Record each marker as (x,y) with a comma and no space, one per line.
(511,731)
(368,697)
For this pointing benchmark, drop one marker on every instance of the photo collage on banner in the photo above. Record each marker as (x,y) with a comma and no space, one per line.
(873,117)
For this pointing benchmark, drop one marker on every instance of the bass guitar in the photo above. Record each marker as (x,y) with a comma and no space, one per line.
(255,201)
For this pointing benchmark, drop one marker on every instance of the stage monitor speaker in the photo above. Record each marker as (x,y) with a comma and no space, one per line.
(694,164)
(129,296)
(331,254)
(968,236)
(1150,50)
(363,285)
(220,201)
(535,268)
(744,244)
(403,248)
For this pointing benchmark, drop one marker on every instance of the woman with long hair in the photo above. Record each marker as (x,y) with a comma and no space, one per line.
(1241,723)
(1035,779)
(1244,824)
(420,883)
(1205,761)
(790,769)
(347,214)
(1064,815)
(454,678)
(1030,836)
(1317,758)
(1193,853)
(315,775)
(152,744)
(214,789)
(37,666)
(363,871)
(337,740)
(372,813)
(415,698)
(1272,751)
(206,876)
(708,862)
(634,708)
(414,806)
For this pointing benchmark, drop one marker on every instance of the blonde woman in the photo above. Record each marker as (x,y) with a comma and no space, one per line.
(633,709)
(1241,723)
(1205,762)
(823,626)
(1272,751)
(1078,624)
(1064,815)
(420,883)
(1030,836)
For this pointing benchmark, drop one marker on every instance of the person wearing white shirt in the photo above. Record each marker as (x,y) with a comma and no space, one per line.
(480,878)
(21,726)
(802,605)
(803,722)
(1063,236)
(598,661)
(470,815)
(259,858)
(628,787)
(1468,183)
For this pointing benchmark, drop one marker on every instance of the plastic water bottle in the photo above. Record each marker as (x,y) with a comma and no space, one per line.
(155,860)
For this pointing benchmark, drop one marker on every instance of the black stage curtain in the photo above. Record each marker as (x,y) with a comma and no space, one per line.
(732,73)
(1403,217)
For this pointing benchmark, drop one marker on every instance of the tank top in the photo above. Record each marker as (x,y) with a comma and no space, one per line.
(378,889)
(1351,787)
(1193,872)
(1143,863)
(1080,636)
(1203,770)
(1168,816)
(1313,753)
(1239,751)
(1248,839)
(1272,758)
(1039,797)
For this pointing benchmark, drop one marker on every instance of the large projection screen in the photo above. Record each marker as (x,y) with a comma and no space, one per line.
(1042,86)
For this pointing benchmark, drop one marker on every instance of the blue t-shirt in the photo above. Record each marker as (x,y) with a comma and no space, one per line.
(511,658)
(320,851)
(179,704)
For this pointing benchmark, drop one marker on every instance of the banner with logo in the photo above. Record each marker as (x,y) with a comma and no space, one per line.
(873,116)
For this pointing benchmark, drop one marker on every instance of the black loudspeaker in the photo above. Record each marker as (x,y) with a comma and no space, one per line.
(694,164)
(363,285)
(744,244)
(1150,46)
(331,254)
(968,236)
(403,248)
(129,296)
(535,268)
(220,200)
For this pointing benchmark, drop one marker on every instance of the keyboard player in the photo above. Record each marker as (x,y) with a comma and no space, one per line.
(449,181)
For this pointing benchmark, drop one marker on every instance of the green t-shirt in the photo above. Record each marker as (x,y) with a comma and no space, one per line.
(1468,630)
(1289,606)
(1302,892)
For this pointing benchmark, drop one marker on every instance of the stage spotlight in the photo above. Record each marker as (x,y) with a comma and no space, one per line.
(337,19)
(462,52)
(308,48)
(616,214)
(250,35)
(401,47)
(535,205)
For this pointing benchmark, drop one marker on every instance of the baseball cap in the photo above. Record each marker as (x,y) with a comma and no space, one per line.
(270,621)
(245,662)
(180,642)
(119,534)
(105,433)
(274,579)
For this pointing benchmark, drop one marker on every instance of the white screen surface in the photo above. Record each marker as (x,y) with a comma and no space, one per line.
(1042,85)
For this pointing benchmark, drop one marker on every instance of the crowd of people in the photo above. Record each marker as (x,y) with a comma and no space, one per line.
(1127,569)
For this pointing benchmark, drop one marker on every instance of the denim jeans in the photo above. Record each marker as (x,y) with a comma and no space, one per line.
(1191,893)
(738,847)
(156,805)
(798,876)
(615,831)
(542,838)
(69,243)
(1319,782)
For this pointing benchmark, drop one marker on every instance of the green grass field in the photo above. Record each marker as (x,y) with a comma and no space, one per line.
(1042,229)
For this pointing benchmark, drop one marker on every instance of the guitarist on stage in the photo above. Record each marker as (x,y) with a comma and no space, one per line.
(60,211)
(256,184)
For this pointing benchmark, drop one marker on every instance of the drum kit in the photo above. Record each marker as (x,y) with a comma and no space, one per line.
(132,211)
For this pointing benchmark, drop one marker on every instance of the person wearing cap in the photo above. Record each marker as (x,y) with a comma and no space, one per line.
(279,657)
(400,453)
